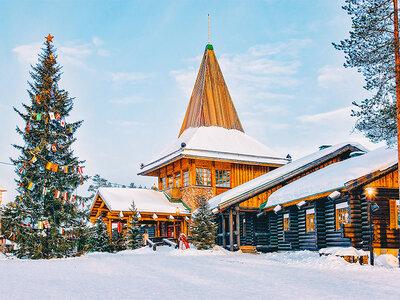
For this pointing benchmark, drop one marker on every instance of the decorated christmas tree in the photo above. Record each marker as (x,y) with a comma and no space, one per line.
(100,240)
(203,228)
(134,235)
(47,218)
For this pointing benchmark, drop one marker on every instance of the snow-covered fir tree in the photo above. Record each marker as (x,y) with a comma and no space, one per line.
(47,215)
(134,236)
(100,239)
(203,228)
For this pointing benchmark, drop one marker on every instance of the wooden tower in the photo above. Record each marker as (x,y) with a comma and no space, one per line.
(212,153)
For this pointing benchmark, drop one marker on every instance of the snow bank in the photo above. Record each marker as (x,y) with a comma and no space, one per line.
(212,274)
(342,251)
(387,260)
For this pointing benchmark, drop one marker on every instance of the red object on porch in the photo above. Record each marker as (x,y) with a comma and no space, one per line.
(119,227)
(183,243)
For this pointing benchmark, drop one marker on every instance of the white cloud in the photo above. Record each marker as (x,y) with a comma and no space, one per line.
(123,123)
(127,100)
(71,52)
(337,115)
(332,76)
(27,53)
(121,77)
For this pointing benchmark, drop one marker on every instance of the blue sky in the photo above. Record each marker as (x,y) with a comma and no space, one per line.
(132,65)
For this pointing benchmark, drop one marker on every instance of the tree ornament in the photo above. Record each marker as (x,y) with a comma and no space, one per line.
(49,38)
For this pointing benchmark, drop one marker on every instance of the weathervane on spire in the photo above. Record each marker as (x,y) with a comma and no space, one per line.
(209,29)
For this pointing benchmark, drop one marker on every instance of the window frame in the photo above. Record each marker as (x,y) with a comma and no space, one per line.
(310,221)
(341,210)
(203,177)
(222,178)
(186,178)
(286,222)
(177,180)
(163,183)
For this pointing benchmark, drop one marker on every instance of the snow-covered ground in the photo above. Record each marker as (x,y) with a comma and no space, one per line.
(192,274)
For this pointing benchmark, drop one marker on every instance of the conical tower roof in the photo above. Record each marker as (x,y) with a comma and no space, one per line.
(210,103)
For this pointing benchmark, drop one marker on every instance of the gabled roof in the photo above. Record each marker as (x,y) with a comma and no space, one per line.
(120,199)
(216,143)
(264,182)
(210,103)
(334,177)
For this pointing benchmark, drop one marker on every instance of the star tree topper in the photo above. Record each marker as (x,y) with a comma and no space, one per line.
(49,38)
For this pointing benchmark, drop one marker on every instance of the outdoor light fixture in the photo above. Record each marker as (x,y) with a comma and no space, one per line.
(187,218)
(301,204)
(178,211)
(215,210)
(334,195)
(374,207)
(260,214)
(370,192)
(277,208)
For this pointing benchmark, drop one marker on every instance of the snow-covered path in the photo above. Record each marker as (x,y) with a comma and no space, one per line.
(191,274)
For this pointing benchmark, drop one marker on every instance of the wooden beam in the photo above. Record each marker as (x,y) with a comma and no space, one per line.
(238,225)
(231,230)
(223,231)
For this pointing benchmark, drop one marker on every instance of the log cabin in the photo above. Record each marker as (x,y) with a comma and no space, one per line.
(159,216)
(212,153)
(345,204)
(240,225)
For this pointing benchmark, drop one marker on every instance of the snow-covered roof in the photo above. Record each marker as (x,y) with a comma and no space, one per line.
(217,143)
(335,176)
(270,179)
(120,199)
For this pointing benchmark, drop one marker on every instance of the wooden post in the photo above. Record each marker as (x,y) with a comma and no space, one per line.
(231,230)
(175,228)
(397,61)
(238,225)
(223,232)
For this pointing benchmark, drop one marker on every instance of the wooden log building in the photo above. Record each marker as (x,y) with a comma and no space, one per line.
(237,210)
(159,216)
(338,205)
(212,153)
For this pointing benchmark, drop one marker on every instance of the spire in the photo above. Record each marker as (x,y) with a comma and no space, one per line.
(210,103)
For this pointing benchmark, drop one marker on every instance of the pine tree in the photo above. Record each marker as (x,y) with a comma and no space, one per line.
(47,171)
(100,239)
(371,49)
(203,228)
(134,235)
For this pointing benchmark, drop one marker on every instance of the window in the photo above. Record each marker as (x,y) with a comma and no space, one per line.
(398,213)
(286,222)
(394,209)
(310,220)
(164,183)
(178,180)
(186,178)
(170,182)
(203,177)
(222,178)
(342,214)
